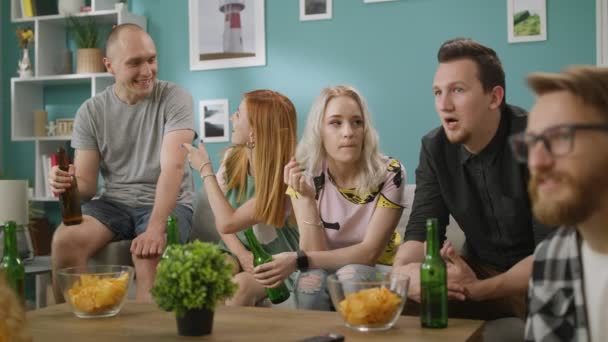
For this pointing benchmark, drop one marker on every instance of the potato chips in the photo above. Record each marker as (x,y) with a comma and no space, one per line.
(93,294)
(370,306)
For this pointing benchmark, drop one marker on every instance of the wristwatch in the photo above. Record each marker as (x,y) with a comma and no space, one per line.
(301,260)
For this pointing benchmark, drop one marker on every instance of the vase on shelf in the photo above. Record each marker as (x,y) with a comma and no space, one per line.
(89,61)
(68,7)
(25,65)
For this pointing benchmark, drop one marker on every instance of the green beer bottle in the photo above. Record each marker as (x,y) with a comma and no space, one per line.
(172,233)
(433,282)
(11,266)
(278,294)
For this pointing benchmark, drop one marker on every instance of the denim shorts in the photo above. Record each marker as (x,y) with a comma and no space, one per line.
(128,222)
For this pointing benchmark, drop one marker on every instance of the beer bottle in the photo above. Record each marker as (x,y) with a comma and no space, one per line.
(278,294)
(70,199)
(11,266)
(172,233)
(433,282)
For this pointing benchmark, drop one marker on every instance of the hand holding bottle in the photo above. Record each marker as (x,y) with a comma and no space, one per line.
(60,180)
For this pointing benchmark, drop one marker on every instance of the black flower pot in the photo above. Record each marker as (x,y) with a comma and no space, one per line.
(195,322)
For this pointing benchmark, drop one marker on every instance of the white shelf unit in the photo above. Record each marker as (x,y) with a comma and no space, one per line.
(27,94)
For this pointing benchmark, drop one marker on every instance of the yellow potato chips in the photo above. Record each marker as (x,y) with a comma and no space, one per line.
(369,306)
(93,294)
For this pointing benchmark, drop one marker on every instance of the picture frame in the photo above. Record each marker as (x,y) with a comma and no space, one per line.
(372,1)
(526,20)
(315,9)
(213,120)
(226,34)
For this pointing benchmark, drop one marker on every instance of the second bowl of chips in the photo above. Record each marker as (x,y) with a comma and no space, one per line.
(372,305)
(96,291)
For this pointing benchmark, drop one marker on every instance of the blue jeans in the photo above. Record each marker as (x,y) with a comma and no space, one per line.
(311,286)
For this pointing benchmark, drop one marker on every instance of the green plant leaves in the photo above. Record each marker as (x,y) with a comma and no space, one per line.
(192,276)
(84,31)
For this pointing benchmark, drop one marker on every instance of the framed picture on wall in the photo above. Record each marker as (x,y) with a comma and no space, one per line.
(315,9)
(226,34)
(213,119)
(526,20)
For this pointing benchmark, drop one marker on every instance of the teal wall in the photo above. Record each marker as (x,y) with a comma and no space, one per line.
(387,50)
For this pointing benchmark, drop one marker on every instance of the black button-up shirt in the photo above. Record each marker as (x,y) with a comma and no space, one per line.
(485,193)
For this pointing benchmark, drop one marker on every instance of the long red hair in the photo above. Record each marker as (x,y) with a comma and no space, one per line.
(273,121)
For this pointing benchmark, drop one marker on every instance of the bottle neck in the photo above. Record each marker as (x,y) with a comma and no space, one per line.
(432,240)
(10,239)
(172,234)
(254,245)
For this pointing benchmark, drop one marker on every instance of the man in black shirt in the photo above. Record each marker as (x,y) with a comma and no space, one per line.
(467,170)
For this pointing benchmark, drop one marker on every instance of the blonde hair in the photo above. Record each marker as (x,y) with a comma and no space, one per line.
(311,153)
(589,83)
(273,121)
(12,315)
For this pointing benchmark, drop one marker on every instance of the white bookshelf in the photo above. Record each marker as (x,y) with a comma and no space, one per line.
(27,94)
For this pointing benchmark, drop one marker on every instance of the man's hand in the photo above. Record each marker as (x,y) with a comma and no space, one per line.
(149,244)
(272,274)
(246,261)
(59,180)
(412,270)
(460,275)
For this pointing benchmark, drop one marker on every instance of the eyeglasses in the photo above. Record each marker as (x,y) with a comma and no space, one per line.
(557,140)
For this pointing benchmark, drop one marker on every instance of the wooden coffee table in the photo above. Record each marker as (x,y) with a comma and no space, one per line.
(145,322)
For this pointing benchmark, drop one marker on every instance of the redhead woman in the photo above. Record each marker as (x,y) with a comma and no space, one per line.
(248,190)
(346,195)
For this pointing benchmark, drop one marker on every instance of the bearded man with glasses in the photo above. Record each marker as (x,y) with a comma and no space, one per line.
(565,146)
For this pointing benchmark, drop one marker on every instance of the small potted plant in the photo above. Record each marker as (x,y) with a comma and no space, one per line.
(190,280)
(89,58)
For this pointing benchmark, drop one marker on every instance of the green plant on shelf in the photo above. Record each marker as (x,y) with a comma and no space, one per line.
(84,31)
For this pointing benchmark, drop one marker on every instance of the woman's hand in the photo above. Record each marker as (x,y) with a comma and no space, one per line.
(198,158)
(295,177)
(272,274)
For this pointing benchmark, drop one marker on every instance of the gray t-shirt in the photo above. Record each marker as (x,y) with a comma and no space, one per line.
(129,139)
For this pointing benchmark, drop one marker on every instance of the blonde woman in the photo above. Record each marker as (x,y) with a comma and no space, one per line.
(248,190)
(346,195)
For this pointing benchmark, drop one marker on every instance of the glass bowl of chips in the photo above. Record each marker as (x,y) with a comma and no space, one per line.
(373,305)
(95,291)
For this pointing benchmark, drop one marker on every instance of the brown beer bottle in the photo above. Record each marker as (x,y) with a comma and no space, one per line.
(70,199)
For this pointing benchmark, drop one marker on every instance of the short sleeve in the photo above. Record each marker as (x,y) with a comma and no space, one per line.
(179,110)
(392,194)
(83,135)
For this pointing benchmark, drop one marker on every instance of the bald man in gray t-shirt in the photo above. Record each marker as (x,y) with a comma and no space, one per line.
(131,133)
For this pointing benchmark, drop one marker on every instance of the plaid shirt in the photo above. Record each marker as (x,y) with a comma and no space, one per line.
(556,309)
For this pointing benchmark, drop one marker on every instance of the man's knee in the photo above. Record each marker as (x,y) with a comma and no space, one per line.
(67,240)
(83,239)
